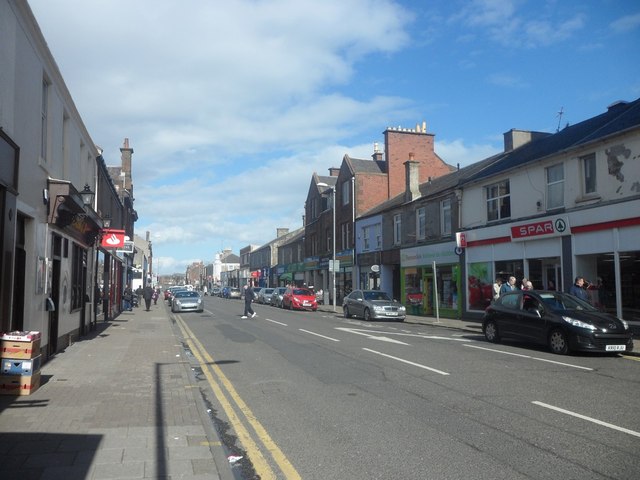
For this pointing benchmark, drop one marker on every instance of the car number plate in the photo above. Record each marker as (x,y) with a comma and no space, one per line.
(306,303)
(615,348)
(392,314)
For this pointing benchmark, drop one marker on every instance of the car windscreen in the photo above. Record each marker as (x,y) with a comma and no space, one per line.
(560,301)
(302,291)
(186,294)
(376,296)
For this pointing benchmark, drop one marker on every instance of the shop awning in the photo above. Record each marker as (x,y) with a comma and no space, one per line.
(286,276)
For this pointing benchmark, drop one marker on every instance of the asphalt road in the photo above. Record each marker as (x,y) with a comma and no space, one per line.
(323,397)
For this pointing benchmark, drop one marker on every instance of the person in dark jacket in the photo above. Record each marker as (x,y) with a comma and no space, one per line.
(577,289)
(248,298)
(147,293)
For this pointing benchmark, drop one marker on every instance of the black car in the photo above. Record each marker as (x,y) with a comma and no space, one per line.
(561,321)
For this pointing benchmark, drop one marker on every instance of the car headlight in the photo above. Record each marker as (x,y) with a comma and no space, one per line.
(578,323)
(199,301)
(402,308)
(177,302)
(378,308)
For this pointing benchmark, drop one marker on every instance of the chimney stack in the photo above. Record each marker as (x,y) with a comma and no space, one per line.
(412,179)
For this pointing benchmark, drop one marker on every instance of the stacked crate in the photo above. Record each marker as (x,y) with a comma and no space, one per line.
(21,359)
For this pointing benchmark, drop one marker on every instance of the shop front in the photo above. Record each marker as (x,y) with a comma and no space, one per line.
(532,250)
(430,280)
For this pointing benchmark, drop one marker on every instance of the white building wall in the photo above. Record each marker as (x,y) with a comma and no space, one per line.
(25,62)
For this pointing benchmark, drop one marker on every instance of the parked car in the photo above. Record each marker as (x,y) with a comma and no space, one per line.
(276,296)
(234,292)
(257,291)
(172,294)
(265,296)
(372,305)
(299,299)
(187,301)
(215,291)
(561,321)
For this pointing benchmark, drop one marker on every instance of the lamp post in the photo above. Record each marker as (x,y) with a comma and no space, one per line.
(333,250)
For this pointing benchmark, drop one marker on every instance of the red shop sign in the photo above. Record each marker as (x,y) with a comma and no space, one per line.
(112,238)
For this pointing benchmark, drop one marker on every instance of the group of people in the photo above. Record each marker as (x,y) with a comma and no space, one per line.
(148,293)
(578,289)
(500,288)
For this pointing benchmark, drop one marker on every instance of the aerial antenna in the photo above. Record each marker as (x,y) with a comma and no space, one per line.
(559,118)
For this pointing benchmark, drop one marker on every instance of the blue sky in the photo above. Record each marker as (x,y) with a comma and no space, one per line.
(230,106)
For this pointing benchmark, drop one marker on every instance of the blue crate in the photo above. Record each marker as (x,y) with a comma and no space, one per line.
(20,366)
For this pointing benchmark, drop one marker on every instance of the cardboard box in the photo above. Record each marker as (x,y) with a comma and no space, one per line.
(20,336)
(17,366)
(19,384)
(13,349)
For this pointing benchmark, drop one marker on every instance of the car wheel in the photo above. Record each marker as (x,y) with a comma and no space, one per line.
(558,342)
(345,311)
(491,331)
(367,315)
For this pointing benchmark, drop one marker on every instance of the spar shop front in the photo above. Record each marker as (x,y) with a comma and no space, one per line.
(430,280)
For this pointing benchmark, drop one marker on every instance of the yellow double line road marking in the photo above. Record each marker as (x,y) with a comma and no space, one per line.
(217,380)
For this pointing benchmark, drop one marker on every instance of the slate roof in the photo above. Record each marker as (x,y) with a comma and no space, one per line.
(358,165)
(617,119)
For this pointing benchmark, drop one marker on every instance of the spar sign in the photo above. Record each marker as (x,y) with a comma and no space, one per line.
(553,227)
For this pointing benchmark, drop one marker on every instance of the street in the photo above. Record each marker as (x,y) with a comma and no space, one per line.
(316,396)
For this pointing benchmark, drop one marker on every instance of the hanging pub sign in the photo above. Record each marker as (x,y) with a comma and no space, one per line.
(112,238)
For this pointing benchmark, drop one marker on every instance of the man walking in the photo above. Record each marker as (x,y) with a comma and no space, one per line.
(147,293)
(248,298)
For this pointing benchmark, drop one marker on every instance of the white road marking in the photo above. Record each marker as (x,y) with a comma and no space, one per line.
(368,333)
(407,361)
(589,419)
(318,335)
(279,323)
(529,356)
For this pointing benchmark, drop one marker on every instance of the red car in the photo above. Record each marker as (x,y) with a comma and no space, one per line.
(299,299)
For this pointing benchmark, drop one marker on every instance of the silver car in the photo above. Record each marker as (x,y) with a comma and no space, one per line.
(276,296)
(187,301)
(264,296)
(372,305)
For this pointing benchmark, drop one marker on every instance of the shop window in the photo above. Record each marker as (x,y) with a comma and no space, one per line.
(589,169)
(413,290)
(447,286)
(78,263)
(498,201)
(480,285)
(421,223)
(555,186)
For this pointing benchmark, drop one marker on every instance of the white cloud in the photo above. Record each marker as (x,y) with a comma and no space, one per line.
(626,23)
(455,152)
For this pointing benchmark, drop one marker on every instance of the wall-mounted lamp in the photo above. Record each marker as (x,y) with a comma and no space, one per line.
(106,221)
(87,195)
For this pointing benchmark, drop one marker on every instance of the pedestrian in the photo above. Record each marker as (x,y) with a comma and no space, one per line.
(156,294)
(147,293)
(509,286)
(523,284)
(577,289)
(528,285)
(139,294)
(248,298)
(127,296)
(496,288)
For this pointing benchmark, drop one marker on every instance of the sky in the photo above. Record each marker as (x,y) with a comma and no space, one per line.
(230,106)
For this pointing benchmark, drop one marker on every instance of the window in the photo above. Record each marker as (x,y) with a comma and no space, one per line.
(397,229)
(346,235)
(445,217)
(421,223)
(365,239)
(346,197)
(78,264)
(44,111)
(589,166)
(498,201)
(555,186)
(378,233)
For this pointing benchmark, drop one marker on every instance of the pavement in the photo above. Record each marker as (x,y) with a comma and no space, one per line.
(123,402)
